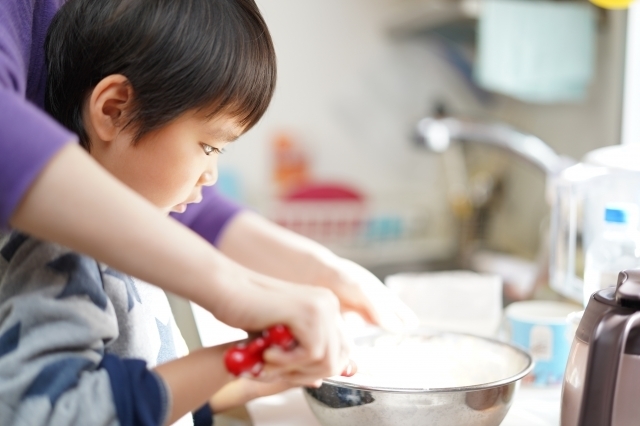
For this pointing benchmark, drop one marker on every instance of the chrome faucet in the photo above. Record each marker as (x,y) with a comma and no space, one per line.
(436,135)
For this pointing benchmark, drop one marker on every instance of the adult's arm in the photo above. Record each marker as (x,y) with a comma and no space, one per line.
(268,248)
(52,189)
(76,203)
(211,216)
(28,140)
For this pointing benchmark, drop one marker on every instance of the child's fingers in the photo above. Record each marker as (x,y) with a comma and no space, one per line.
(302,379)
(259,388)
(280,358)
(297,360)
(294,377)
(283,371)
(274,376)
(278,363)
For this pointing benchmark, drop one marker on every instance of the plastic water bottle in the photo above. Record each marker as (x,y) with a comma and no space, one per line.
(614,250)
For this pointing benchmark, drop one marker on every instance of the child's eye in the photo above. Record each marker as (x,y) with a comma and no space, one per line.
(208,149)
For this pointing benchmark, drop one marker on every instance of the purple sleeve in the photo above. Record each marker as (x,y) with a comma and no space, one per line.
(29,138)
(209,217)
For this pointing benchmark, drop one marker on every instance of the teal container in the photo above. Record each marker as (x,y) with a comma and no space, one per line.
(543,329)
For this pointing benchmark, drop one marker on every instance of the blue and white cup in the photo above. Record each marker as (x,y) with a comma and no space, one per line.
(542,328)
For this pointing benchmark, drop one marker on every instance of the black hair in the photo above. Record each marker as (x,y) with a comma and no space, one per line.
(178,55)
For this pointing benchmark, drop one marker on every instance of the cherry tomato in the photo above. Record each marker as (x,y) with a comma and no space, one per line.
(240,360)
(257,346)
(246,357)
(281,336)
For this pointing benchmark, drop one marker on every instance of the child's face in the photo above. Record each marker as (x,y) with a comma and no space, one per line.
(169,166)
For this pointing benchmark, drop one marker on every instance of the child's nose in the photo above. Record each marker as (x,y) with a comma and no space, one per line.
(208,178)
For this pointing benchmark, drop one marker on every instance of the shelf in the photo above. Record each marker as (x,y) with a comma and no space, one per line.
(440,16)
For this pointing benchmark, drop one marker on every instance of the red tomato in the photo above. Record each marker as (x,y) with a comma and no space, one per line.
(246,357)
(281,336)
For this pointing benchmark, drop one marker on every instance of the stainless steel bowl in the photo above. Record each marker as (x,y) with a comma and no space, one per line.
(354,401)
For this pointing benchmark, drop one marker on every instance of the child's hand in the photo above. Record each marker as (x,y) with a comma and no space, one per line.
(243,390)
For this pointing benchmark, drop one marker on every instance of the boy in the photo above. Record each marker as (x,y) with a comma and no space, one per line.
(155,89)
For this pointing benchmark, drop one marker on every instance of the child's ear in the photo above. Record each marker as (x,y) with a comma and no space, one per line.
(108,104)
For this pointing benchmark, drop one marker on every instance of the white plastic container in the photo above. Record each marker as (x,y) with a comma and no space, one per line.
(614,250)
(455,301)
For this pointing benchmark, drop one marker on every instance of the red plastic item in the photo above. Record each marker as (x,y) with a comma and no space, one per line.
(326,192)
(331,213)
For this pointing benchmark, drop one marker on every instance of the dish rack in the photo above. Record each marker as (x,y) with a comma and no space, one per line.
(328,213)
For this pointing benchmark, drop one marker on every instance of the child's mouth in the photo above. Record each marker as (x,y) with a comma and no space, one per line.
(180,208)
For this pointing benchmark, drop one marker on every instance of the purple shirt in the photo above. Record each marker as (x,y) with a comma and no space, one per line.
(29,138)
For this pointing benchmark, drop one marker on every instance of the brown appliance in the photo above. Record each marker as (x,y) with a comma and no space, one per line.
(602,379)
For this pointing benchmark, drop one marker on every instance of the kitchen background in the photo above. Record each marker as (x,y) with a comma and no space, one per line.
(356,77)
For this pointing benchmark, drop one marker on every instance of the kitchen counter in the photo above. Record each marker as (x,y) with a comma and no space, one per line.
(532,407)
(535,406)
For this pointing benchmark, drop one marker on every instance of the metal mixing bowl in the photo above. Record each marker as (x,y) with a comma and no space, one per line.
(357,401)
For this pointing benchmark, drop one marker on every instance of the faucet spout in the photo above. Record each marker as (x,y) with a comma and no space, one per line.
(436,135)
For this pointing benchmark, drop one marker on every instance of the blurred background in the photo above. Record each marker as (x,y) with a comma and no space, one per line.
(417,136)
(356,77)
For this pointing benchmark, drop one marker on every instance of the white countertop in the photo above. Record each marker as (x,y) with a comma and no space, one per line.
(531,407)
(535,406)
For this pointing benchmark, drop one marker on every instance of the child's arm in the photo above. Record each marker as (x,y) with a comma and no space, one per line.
(191,380)
(194,378)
